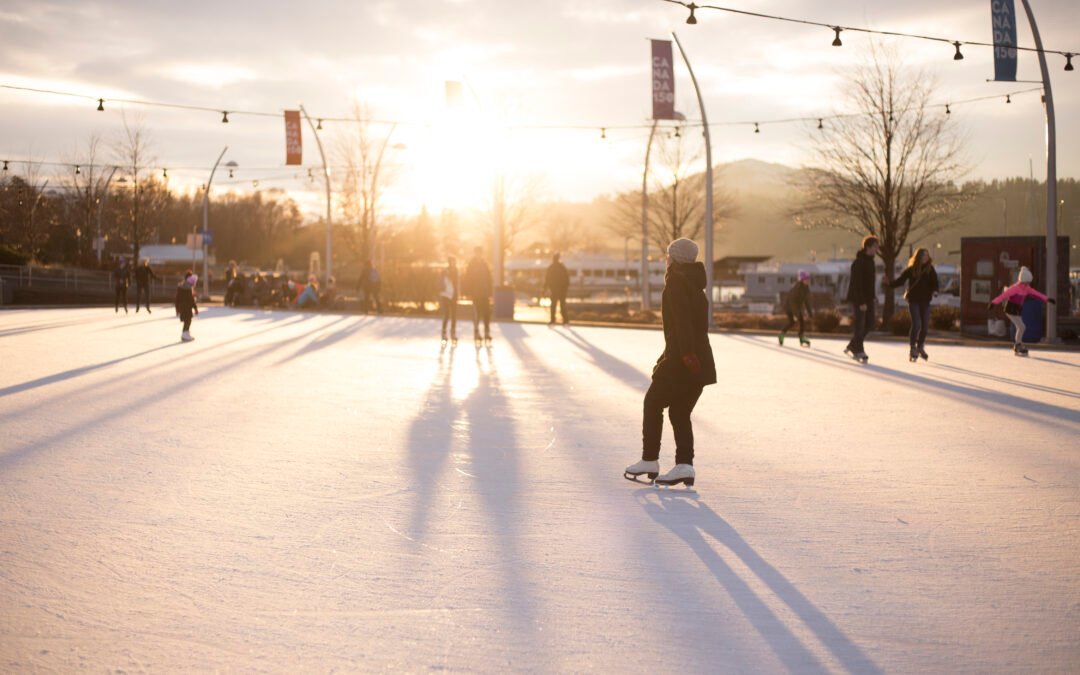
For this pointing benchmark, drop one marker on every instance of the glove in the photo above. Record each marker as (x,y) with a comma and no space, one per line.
(692,363)
(1051,301)
(196,312)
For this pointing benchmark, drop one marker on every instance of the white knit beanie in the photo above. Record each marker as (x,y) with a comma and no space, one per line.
(1024,276)
(683,251)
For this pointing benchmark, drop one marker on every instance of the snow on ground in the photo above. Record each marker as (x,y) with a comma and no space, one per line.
(319,492)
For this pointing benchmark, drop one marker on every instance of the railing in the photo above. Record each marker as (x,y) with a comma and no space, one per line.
(70,280)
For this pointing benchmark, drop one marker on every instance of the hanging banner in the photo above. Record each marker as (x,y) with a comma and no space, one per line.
(1003,17)
(663,81)
(294,148)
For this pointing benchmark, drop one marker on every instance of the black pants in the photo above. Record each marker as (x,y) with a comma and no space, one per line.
(791,318)
(861,323)
(679,398)
(139,291)
(186,318)
(449,313)
(920,322)
(481,312)
(121,298)
(560,301)
(372,299)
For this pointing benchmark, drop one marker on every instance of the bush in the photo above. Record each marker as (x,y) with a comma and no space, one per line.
(900,324)
(944,318)
(9,256)
(826,321)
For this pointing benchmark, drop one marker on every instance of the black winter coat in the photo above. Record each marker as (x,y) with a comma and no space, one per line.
(477,281)
(863,287)
(557,279)
(122,276)
(685,311)
(185,301)
(798,298)
(920,287)
(143,275)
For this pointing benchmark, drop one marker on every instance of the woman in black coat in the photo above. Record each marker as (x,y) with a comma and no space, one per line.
(185,303)
(684,369)
(922,284)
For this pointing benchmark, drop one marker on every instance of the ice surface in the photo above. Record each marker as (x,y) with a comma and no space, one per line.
(319,492)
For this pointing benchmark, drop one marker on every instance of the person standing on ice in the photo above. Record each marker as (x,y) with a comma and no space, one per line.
(798,298)
(557,281)
(1014,297)
(143,276)
(477,285)
(922,284)
(121,281)
(185,303)
(683,370)
(448,297)
(862,292)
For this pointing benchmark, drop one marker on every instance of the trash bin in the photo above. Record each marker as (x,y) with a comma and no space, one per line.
(504,303)
(1034,322)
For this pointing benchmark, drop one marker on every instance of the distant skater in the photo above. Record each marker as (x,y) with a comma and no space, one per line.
(862,292)
(121,281)
(557,282)
(922,284)
(1014,297)
(682,371)
(143,276)
(448,298)
(798,299)
(477,285)
(185,303)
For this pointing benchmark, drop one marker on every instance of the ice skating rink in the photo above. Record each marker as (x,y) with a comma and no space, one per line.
(314,492)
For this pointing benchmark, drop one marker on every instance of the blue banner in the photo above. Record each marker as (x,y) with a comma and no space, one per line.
(1003,15)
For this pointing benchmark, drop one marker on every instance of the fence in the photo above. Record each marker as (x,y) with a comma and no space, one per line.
(31,281)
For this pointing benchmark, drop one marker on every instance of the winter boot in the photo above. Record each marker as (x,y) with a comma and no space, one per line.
(680,473)
(650,469)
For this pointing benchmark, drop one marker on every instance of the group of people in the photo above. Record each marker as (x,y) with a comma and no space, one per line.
(475,284)
(122,276)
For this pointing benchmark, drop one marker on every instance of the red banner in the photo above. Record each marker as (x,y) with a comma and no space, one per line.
(663,81)
(294,144)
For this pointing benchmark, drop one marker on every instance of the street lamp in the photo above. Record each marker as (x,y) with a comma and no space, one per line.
(206,224)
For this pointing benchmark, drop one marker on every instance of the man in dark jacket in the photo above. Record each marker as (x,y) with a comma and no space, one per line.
(862,291)
(477,285)
(557,281)
(682,371)
(121,281)
(143,276)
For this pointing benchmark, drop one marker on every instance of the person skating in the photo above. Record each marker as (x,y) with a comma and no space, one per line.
(477,285)
(185,303)
(1014,297)
(798,299)
(448,297)
(922,284)
(371,284)
(121,281)
(683,370)
(143,276)
(557,282)
(862,291)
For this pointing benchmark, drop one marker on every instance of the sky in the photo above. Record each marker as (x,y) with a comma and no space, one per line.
(524,64)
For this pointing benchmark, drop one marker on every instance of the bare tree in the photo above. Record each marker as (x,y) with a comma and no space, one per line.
(363,151)
(132,152)
(513,207)
(676,195)
(91,182)
(31,196)
(890,168)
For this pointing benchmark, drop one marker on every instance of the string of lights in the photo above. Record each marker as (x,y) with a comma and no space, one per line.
(837,29)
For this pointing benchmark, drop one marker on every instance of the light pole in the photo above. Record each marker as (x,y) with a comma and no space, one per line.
(206,224)
(1051,182)
(329,265)
(100,207)
(646,300)
(708,184)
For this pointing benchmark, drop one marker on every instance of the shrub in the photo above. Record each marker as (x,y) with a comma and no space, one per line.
(10,256)
(900,323)
(826,321)
(944,318)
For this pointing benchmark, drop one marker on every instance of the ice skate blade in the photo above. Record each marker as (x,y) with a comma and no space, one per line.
(688,486)
(689,482)
(636,477)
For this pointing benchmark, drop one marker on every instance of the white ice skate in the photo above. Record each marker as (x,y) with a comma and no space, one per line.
(186,336)
(642,468)
(680,473)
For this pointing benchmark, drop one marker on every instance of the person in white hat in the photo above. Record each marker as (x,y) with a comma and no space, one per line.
(1013,297)
(681,372)
(185,303)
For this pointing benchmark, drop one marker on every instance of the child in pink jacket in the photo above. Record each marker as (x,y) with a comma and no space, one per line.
(1014,297)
